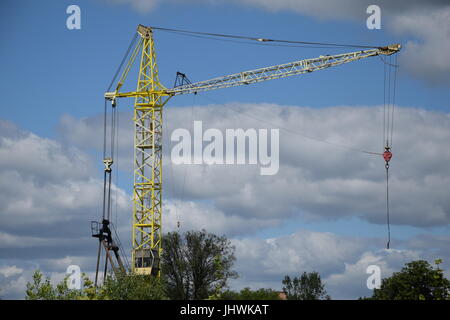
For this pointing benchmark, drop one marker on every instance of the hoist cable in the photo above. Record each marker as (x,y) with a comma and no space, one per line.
(113,132)
(262,39)
(105,206)
(116,167)
(387,208)
(119,244)
(104,155)
(389,92)
(105,112)
(133,40)
(184,79)
(98,263)
(101,255)
(257,43)
(384,105)
(388,63)
(393,99)
(113,117)
(389,103)
(115,156)
(106,266)
(386,126)
(107,180)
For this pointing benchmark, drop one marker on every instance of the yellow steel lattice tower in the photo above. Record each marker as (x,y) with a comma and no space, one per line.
(147,207)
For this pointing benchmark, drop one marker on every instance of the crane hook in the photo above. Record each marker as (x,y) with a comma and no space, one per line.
(387,155)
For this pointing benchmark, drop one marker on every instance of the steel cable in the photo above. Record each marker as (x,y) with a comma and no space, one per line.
(263,40)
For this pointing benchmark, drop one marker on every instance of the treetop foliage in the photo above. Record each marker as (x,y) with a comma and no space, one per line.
(417,280)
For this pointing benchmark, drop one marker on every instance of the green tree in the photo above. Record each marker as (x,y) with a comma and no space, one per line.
(41,288)
(132,287)
(417,280)
(308,287)
(124,287)
(197,264)
(175,267)
(248,294)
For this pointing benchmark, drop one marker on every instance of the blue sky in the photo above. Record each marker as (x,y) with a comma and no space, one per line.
(52,85)
(78,64)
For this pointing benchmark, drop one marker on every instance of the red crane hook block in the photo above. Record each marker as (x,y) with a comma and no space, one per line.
(387,155)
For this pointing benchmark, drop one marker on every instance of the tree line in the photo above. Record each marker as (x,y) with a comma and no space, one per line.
(198,265)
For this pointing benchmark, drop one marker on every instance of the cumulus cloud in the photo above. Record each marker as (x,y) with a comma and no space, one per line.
(142,6)
(44,183)
(13,286)
(319,177)
(352,281)
(32,156)
(9,271)
(326,9)
(49,193)
(45,215)
(298,251)
(14,279)
(190,215)
(427,55)
(345,9)
(341,261)
(427,23)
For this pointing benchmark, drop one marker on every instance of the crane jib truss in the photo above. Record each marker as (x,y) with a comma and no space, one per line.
(150,98)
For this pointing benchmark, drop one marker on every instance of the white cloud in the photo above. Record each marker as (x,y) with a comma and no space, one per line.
(317,180)
(45,215)
(14,288)
(327,9)
(48,195)
(43,182)
(298,251)
(142,6)
(427,22)
(341,261)
(427,55)
(265,262)
(344,9)
(30,155)
(195,216)
(9,271)
(351,283)
(87,133)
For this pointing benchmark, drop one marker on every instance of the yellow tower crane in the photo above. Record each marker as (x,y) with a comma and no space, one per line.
(150,98)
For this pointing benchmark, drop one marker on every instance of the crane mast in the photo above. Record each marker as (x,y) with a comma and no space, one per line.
(150,98)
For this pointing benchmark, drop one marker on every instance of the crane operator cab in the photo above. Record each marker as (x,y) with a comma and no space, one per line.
(146,261)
